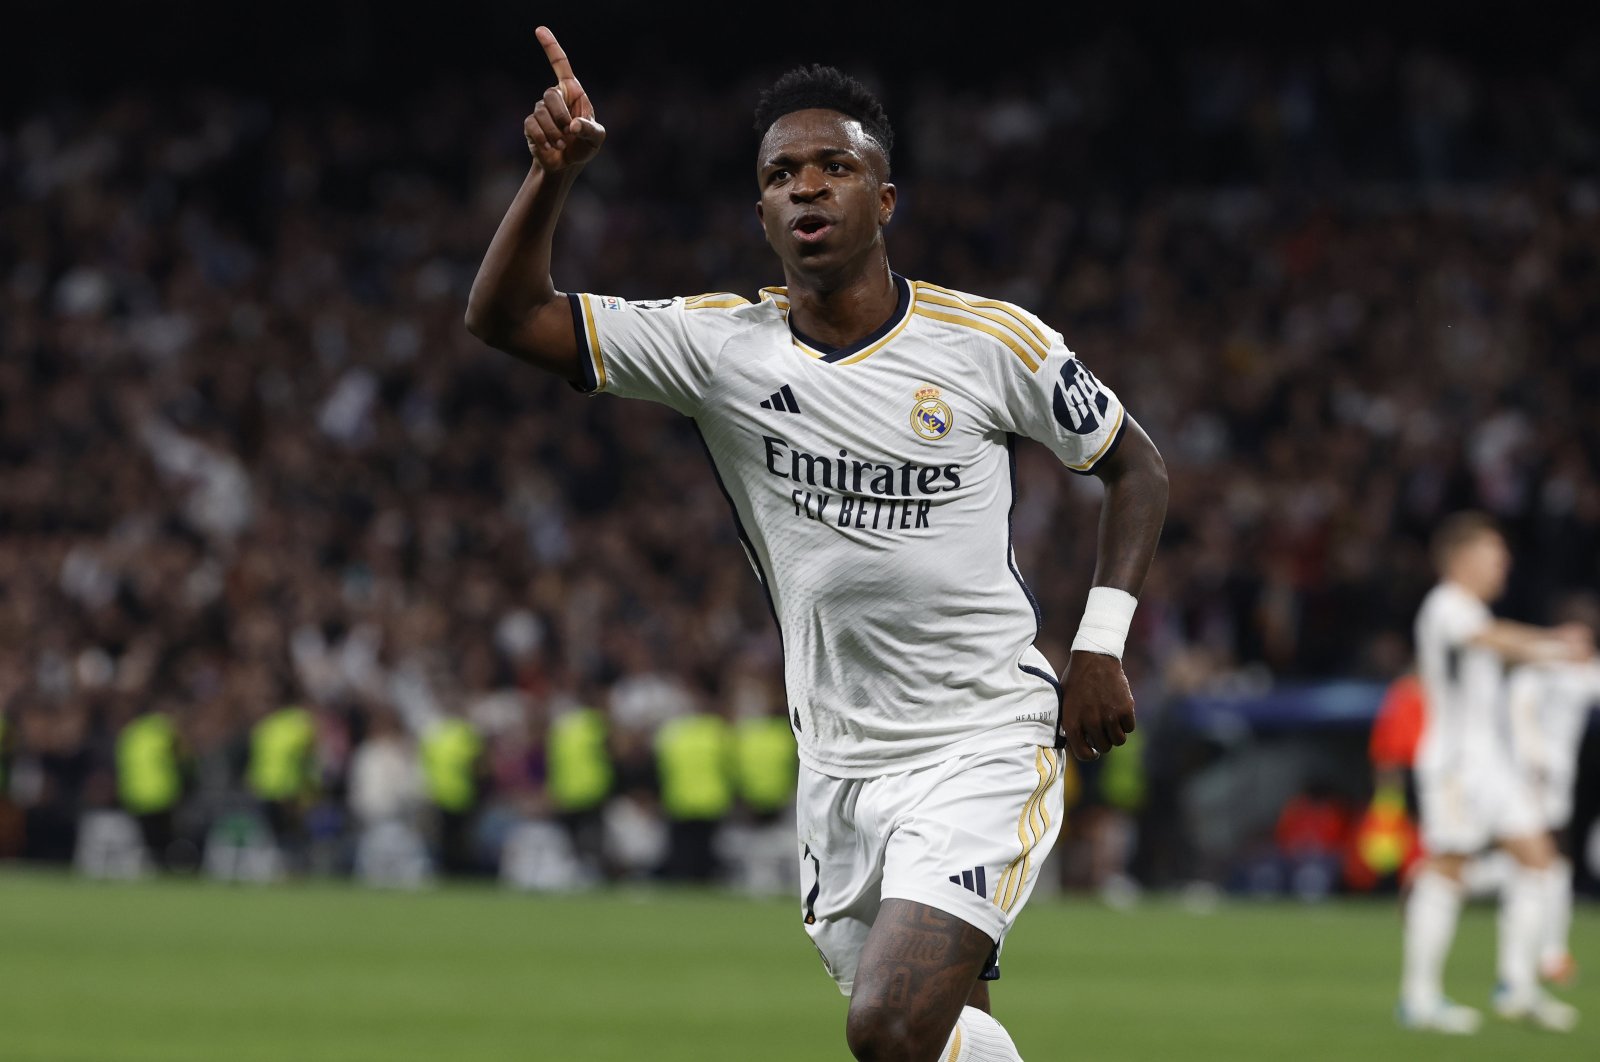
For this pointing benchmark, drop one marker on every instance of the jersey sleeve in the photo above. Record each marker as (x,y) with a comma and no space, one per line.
(661,350)
(1056,400)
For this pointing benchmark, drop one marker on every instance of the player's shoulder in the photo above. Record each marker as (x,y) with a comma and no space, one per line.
(1438,596)
(727,315)
(715,300)
(706,307)
(1443,590)
(997,324)
(1448,602)
(708,321)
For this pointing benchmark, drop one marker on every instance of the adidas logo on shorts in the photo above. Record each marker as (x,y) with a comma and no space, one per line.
(972,880)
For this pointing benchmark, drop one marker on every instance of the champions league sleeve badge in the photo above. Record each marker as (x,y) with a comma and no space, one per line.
(931,417)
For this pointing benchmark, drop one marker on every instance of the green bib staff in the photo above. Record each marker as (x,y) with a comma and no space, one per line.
(766,763)
(450,754)
(281,764)
(695,756)
(1122,779)
(149,778)
(579,763)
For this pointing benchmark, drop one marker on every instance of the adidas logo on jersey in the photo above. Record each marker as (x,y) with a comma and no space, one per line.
(972,880)
(782,400)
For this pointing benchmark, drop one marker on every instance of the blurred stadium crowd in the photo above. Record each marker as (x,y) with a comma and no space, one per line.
(250,457)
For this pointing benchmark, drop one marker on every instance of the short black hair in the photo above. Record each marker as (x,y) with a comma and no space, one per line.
(827,88)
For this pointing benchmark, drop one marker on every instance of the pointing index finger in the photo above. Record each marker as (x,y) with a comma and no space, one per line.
(554,53)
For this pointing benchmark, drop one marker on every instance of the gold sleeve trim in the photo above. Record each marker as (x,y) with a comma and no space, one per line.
(1111,437)
(594,344)
(716,300)
(1011,312)
(1003,334)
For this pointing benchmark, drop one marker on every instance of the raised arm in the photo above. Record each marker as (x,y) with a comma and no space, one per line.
(1521,643)
(1096,703)
(514,306)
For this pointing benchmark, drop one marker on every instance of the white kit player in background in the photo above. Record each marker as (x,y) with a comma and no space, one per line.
(1550,705)
(861,426)
(1469,789)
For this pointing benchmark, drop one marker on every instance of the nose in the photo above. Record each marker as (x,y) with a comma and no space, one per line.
(809,185)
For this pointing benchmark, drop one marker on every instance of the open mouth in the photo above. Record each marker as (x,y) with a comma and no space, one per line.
(810,228)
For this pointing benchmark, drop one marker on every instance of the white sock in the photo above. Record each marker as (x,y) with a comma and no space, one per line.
(1557,912)
(979,1038)
(1431,913)
(1521,930)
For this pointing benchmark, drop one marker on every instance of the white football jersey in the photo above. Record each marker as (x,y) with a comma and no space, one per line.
(1463,684)
(872,488)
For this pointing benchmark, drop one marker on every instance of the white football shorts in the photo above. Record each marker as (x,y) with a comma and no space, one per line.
(966,836)
(1552,792)
(1466,809)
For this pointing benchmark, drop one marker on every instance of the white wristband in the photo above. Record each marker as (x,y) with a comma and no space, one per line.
(1106,619)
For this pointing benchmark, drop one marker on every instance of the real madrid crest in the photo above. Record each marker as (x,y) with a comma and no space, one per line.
(931,417)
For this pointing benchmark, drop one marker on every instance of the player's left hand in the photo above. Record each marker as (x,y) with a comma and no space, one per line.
(1578,641)
(1096,705)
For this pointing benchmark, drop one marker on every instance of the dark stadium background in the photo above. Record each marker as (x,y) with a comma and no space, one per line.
(406,73)
(381,51)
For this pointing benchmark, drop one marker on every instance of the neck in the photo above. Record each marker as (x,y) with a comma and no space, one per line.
(842,311)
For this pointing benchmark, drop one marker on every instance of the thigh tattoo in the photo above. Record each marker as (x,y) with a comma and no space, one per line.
(916,956)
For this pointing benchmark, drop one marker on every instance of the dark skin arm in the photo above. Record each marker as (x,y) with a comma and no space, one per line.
(1096,703)
(514,306)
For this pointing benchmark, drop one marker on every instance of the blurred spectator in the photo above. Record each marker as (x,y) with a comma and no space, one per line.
(385,776)
(1313,837)
(282,775)
(385,797)
(1387,844)
(635,840)
(1396,731)
(765,764)
(150,778)
(454,771)
(581,779)
(761,845)
(695,754)
(1111,796)
(10,816)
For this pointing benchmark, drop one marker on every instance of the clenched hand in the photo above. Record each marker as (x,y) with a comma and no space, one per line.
(1096,705)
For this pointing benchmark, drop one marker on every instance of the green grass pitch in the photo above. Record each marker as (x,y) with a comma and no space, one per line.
(192,972)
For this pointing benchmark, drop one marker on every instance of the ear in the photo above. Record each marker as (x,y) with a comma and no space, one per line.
(888,195)
(761,212)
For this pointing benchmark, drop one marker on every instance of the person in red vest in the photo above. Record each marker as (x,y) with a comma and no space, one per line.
(1398,727)
(1386,844)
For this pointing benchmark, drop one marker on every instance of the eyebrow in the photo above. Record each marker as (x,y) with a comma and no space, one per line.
(824,153)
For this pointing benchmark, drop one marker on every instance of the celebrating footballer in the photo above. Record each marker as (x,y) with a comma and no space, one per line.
(861,424)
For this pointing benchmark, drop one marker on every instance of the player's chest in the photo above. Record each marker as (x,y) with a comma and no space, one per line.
(897,406)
